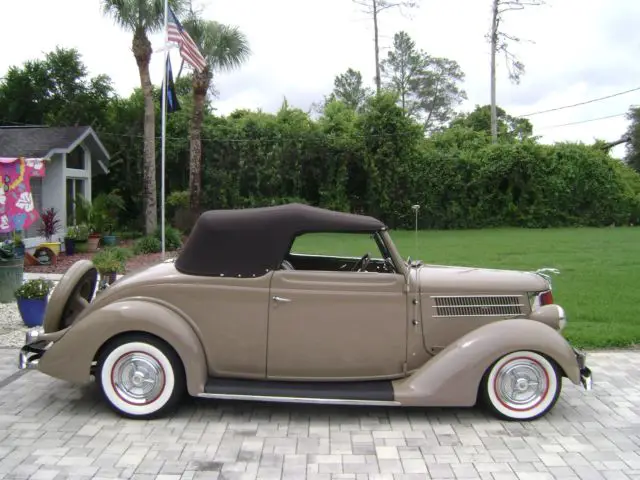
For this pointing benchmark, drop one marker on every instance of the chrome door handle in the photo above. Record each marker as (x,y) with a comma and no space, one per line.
(281,299)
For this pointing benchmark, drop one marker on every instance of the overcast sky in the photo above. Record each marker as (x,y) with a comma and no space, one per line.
(583,49)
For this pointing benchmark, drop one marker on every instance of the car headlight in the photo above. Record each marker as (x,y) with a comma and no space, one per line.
(552,315)
(562,318)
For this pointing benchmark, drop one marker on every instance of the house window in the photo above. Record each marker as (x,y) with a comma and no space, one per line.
(75,158)
(75,188)
(36,193)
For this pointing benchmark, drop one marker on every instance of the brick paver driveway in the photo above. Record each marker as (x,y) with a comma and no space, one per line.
(49,429)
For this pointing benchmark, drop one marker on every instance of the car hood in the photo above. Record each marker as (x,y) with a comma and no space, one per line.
(447,279)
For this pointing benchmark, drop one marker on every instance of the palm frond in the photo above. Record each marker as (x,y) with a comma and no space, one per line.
(147,15)
(225,47)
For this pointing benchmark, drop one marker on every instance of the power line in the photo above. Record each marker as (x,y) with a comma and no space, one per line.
(582,121)
(231,140)
(581,103)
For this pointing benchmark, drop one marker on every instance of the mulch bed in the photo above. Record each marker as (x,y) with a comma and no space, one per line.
(65,261)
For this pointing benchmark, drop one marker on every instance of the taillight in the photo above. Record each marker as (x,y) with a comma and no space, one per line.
(546,298)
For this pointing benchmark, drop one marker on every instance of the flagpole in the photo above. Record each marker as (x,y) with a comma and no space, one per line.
(164,124)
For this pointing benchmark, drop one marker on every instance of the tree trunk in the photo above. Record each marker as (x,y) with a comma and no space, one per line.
(200,87)
(142,52)
(494,46)
(377,46)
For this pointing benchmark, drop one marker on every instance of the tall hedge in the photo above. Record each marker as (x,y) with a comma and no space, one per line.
(380,163)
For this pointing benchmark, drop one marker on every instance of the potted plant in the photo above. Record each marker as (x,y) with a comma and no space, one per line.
(87,215)
(49,226)
(11,271)
(32,297)
(110,262)
(81,238)
(18,244)
(70,240)
(106,208)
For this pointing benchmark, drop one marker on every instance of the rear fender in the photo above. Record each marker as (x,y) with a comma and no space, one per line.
(453,376)
(70,357)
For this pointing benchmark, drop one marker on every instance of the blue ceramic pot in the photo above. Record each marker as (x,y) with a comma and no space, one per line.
(109,240)
(32,310)
(69,246)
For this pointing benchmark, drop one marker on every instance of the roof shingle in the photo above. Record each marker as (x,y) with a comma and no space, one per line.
(36,141)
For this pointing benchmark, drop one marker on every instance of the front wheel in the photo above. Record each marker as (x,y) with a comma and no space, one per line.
(521,386)
(140,376)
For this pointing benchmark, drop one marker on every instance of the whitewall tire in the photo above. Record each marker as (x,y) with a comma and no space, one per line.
(522,385)
(140,376)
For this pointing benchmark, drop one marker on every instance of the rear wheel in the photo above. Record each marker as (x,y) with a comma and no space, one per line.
(522,385)
(140,376)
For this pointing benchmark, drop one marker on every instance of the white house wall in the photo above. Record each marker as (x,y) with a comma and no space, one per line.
(54,190)
(77,173)
(52,195)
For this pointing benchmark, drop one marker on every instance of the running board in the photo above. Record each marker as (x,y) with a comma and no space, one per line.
(374,393)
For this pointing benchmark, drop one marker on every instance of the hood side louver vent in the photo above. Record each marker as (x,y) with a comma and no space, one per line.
(478,306)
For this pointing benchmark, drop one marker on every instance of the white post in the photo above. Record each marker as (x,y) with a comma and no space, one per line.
(415,237)
(164,122)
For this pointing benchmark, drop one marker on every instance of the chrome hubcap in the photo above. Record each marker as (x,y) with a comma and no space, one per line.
(138,378)
(522,384)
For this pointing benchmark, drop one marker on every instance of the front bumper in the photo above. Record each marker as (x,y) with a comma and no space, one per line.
(33,349)
(586,378)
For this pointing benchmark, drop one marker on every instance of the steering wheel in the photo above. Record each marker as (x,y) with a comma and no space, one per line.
(286,265)
(362,264)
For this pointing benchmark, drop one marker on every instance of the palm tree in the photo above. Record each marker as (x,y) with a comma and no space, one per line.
(142,17)
(225,48)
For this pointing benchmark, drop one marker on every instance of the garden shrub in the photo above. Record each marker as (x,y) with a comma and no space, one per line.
(172,237)
(146,245)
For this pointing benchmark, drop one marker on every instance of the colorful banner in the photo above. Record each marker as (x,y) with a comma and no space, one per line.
(17,209)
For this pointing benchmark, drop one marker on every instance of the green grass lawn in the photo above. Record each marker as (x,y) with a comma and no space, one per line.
(599,283)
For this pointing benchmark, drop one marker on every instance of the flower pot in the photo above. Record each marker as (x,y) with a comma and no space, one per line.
(92,243)
(19,250)
(109,240)
(81,246)
(110,277)
(11,275)
(32,310)
(53,246)
(69,246)
(106,279)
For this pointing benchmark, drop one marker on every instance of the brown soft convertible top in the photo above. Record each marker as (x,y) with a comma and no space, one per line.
(253,241)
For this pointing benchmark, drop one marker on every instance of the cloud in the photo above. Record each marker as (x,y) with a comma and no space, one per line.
(583,49)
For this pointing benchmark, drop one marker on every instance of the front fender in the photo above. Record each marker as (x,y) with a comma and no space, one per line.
(452,377)
(70,357)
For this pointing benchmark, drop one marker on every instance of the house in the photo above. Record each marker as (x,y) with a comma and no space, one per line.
(75,155)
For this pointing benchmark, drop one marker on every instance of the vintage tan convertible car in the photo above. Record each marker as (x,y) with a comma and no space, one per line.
(239,315)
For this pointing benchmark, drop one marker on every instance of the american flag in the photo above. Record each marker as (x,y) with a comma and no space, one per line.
(188,49)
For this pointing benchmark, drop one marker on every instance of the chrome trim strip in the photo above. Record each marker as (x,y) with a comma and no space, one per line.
(478,305)
(481,305)
(496,315)
(328,401)
(477,296)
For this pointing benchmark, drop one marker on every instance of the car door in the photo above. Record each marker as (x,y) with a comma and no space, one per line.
(336,325)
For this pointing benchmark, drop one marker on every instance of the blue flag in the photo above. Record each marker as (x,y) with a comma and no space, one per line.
(172,97)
